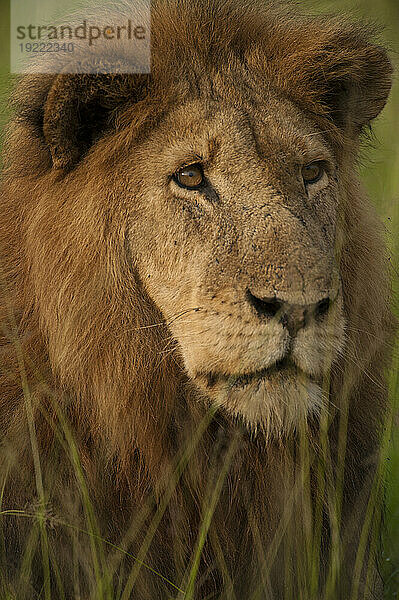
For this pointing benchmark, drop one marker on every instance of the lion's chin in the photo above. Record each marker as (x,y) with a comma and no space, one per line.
(275,400)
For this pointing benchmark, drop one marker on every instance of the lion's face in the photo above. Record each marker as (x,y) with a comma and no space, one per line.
(246,273)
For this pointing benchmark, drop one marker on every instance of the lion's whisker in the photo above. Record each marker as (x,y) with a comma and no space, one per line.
(165,323)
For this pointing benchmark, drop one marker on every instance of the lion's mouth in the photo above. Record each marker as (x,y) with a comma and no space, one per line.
(284,366)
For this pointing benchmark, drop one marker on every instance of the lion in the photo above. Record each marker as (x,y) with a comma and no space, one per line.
(195,316)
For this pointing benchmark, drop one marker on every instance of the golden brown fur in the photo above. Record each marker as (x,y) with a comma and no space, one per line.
(123,305)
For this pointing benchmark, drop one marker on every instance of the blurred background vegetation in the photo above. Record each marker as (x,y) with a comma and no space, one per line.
(379,168)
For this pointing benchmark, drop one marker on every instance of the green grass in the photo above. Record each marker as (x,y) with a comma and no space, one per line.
(380,173)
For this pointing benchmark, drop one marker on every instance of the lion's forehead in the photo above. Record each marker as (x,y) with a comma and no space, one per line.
(235,122)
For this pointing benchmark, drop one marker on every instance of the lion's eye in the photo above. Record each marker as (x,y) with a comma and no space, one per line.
(312,172)
(190,177)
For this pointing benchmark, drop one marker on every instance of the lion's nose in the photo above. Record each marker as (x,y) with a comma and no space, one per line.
(293,316)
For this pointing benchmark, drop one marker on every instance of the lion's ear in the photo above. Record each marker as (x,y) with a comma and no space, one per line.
(355,83)
(79,108)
